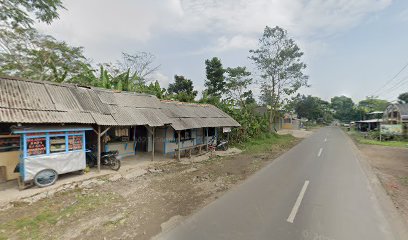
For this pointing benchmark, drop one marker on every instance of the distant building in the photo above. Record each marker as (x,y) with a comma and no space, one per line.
(396,114)
(373,121)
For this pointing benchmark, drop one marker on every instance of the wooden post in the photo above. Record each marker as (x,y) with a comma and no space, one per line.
(99,149)
(153,138)
(134,139)
(206,140)
(178,145)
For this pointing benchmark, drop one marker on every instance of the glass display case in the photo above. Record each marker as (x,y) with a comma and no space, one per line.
(9,143)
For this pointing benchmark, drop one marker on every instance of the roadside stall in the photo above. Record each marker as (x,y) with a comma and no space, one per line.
(9,155)
(48,152)
(121,139)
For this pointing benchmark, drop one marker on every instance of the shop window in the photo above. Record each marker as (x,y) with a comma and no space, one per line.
(184,135)
(9,143)
(187,134)
(57,144)
(36,146)
(75,143)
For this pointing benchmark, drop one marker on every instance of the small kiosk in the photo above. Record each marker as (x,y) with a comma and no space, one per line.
(122,140)
(48,152)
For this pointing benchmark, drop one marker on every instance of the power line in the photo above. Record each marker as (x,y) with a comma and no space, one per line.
(392,79)
(396,86)
(399,84)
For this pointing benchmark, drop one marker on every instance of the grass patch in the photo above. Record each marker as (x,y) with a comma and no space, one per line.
(404,181)
(362,140)
(266,142)
(47,215)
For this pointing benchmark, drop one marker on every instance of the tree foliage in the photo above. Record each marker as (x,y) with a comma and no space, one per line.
(312,108)
(344,108)
(371,104)
(182,89)
(278,58)
(236,87)
(28,54)
(140,66)
(403,97)
(20,13)
(215,81)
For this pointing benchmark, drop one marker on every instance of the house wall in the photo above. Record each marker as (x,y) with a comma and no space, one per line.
(8,162)
(166,143)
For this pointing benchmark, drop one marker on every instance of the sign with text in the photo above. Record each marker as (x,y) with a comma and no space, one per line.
(391,129)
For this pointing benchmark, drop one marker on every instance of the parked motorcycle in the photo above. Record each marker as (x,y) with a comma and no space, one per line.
(222,145)
(107,159)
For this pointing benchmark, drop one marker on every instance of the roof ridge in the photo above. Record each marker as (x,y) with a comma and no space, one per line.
(185,103)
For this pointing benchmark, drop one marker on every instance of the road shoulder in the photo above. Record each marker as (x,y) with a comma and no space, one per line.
(397,222)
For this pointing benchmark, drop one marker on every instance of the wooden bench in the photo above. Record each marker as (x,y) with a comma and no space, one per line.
(189,149)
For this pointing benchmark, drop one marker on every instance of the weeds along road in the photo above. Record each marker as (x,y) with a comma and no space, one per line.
(317,190)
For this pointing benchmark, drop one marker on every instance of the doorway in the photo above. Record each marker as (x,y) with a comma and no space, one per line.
(141,139)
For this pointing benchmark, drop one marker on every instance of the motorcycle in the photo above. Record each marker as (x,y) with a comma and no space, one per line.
(107,159)
(221,146)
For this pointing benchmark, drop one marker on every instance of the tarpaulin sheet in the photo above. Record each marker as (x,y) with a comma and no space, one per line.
(60,162)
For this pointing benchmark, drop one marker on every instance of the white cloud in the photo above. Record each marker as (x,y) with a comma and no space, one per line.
(403,15)
(106,28)
(138,20)
(163,79)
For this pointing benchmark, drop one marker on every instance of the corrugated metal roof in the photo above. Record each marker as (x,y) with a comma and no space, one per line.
(122,117)
(34,116)
(189,116)
(126,99)
(104,119)
(106,96)
(24,95)
(85,99)
(63,98)
(154,117)
(25,101)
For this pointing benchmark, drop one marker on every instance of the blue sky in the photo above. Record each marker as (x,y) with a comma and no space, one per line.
(352,47)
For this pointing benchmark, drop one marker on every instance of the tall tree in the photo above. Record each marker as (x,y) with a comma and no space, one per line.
(278,58)
(20,13)
(312,108)
(371,104)
(215,81)
(27,53)
(140,65)
(237,81)
(137,69)
(182,89)
(344,108)
(403,98)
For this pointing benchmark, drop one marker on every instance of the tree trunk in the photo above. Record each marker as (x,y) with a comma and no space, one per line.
(271,116)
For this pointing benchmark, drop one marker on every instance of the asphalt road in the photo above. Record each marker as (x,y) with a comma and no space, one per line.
(316,191)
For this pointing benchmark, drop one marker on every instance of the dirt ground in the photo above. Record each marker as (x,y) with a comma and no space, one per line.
(298,133)
(391,166)
(132,206)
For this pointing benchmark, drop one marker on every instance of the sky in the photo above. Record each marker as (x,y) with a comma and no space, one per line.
(355,48)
